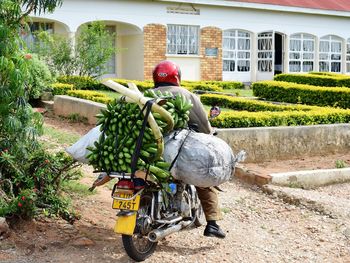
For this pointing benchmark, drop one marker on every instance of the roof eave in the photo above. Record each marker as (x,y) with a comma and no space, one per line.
(279,8)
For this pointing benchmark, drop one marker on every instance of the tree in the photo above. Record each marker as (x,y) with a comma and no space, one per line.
(24,166)
(94,49)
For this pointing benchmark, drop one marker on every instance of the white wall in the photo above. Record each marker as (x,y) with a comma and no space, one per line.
(139,13)
(131,54)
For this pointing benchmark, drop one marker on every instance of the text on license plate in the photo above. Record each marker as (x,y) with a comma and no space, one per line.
(132,205)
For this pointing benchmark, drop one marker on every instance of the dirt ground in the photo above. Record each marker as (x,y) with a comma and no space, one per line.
(259,227)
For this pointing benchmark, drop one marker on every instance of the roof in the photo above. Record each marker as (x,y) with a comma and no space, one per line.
(334,5)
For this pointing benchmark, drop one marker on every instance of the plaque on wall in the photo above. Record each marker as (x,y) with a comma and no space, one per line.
(211,51)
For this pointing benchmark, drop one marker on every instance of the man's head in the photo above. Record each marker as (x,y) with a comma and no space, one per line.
(166,73)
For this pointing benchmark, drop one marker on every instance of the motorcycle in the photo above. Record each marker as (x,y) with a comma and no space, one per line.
(149,211)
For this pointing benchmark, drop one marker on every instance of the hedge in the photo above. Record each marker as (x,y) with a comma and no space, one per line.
(322,80)
(90,95)
(141,85)
(60,88)
(242,104)
(82,82)
(240,119)
(218,84)
(304,94)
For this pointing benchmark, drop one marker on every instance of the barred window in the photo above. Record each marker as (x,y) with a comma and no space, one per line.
(330,54)
(183,40)
(236,48)
(301,53)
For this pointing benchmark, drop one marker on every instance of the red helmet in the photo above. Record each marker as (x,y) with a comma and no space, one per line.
(167,72)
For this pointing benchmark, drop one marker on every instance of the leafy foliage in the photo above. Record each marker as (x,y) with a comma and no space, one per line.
(39,77)
(299,93)
(56,51)
(252,113)
(94,49)
(29,176)
(320,79)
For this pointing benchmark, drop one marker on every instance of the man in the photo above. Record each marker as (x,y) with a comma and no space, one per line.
(167,77)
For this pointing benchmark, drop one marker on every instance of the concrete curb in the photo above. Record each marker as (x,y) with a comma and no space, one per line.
(250,176)
(299,179)
(312,178)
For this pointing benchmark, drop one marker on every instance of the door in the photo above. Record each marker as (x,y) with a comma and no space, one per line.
(265,56)
(270,55)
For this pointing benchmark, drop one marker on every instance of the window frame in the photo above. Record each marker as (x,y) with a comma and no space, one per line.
(302,38)
(330,39)
(176,50)
(236,50)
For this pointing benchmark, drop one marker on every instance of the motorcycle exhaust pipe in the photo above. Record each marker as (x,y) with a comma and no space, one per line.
(159,234)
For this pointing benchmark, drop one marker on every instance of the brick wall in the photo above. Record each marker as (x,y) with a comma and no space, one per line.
(154,47)
(211,67)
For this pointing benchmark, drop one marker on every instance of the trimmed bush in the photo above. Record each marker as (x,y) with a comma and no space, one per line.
(82,82)
(241,104)
(61,88)
(90,95)
(304,94)
(141,85)
(191,86)
(227,84)
(322,80)
(239,119)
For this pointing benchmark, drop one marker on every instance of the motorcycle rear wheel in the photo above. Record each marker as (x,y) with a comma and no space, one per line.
(137,246)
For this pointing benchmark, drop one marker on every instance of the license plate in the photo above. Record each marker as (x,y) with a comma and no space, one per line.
(132,205)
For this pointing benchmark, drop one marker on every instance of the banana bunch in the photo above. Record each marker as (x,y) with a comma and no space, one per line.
(121,123)
(177,105)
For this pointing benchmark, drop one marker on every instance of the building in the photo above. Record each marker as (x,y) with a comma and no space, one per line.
(244,40)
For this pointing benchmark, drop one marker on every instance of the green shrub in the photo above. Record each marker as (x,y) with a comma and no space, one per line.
(90,95)
(299,93)
(239,119)
(141,85)
(321,79)
(241,104)
(333,74)
(227,84)
(82,82)
(192,86)
(61,88)
(40,77)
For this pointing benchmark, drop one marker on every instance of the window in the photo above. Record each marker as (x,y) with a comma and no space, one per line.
(348,56)
(330,54)
(29,37)
(301,53)
(236,47)
(183,40)
(265,52)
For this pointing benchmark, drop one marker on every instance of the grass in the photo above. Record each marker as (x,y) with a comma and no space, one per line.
(60,137)
(77,188)
(111,94)
(240,92)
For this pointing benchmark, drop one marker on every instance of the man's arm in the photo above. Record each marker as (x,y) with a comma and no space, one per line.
(199,116)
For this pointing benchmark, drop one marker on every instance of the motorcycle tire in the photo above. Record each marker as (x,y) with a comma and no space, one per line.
(137,246)
(134,251)
(200,217)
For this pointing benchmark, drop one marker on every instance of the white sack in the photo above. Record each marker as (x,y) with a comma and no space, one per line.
(78,150)
(204,160)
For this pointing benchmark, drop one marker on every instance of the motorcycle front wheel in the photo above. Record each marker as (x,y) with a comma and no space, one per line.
(137,246)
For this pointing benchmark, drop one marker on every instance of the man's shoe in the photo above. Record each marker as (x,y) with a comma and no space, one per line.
(214,231)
